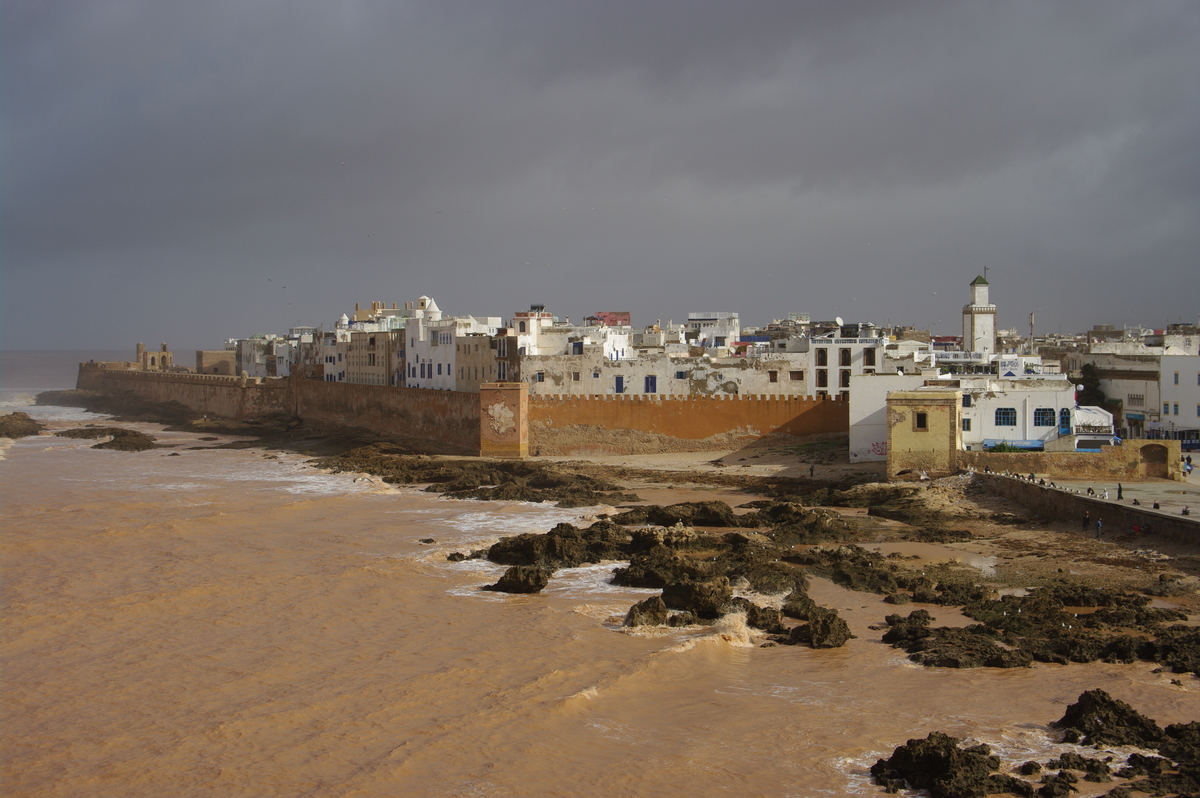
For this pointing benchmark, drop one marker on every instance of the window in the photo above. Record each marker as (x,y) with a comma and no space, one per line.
(772,376)
(574,376)
(651,383)
(822,378)
(540,376)
(595,375)
(1043,417)
(966,400)
(868,357)
(1006,416)
(921,421)
(1064,421)
(1177,408)
(619,384)
(1135,399)
(966,425)
(521,326)
(843,357)
(1177,378)
(845,378)
(822,356)
(502,371)
(681,375)
(1166,408)
(796,376)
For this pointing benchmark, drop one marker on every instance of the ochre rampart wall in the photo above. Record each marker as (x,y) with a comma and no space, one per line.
(449,417)
(556,425)
(578,425)
(1134,459)
(227,397)
(1069,508)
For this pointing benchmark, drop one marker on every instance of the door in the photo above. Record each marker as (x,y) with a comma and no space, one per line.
(620,385)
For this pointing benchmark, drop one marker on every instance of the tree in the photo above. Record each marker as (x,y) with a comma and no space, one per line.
(1091,395)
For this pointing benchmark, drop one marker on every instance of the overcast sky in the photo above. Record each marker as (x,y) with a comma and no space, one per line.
(189,172)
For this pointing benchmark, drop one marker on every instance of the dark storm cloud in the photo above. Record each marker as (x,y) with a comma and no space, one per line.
(163,160)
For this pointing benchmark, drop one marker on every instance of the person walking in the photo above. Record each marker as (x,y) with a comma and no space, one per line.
(1087,520)
(1120,492)
(1099,524)
(812,469)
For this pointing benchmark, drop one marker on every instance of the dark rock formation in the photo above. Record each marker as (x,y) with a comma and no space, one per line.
(825,629)
(1099,719)
(766,618)
(939,765)
(706,599)
(522,579)
(565,546)
(651,612)
(718,514)
(125,440)
(19,425)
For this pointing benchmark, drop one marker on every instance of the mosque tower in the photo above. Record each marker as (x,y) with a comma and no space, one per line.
(979,321)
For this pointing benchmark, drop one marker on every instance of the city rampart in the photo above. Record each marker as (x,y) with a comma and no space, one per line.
(227,397)
(1133,460)
(448,417)
(627,424)
(1069,507)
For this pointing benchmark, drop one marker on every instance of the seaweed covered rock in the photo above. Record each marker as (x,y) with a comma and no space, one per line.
(826,629)
(19,425)
(939,765)
(522,579)
(564,546)
(659,566)
(717,514)
(970,647)
(651,612)
(119,438)
(706,599)
(1099,719)
(766,618)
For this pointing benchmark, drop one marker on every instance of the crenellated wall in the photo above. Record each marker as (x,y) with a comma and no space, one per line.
(555,425)
(228,397)
(449,417)
(622,424)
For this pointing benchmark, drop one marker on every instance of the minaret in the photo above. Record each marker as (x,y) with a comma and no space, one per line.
(979,321)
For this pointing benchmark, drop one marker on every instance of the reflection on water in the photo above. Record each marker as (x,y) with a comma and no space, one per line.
(223,623)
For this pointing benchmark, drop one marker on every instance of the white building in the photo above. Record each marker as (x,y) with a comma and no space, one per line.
(1180,391)
(979,321)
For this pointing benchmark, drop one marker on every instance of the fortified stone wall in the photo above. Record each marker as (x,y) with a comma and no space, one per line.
(449,417)
(1133,460)
(1070,507)
(555,425)
(228,397)
(625,424)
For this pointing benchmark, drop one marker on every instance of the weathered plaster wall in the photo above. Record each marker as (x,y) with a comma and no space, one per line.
(1135,459)
(587,425)
(446,416)
(228,397)
(930,447)
(1070,507)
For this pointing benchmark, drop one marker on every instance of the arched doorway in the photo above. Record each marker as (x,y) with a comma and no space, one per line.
(1153,460)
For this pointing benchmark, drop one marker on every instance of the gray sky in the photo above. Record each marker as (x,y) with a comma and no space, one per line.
(187,172)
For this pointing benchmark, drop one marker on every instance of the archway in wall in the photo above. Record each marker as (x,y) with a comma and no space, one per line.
(1153,460)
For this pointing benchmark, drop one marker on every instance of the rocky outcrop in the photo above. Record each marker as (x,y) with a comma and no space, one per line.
(706,599)
(522,579)
(125,440)
(19,425)
(1099,719)
(940,765)
(825,629)
(651,612)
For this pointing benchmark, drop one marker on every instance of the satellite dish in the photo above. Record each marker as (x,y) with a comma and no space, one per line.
(1079,388)
(838,321)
